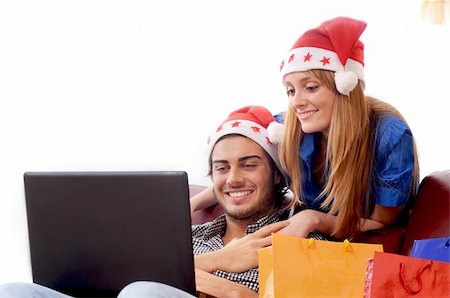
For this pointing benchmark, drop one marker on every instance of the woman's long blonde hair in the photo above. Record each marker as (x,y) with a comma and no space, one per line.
(349,154)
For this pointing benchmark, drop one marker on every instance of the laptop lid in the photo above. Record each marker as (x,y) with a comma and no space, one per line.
(92,233)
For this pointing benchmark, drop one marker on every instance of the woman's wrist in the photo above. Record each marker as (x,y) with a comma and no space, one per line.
(320,222)
(194,204)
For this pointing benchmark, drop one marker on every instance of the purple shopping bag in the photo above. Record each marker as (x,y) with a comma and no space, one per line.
(437,249)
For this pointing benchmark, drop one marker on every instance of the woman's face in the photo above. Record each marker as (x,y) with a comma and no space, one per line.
(311,100)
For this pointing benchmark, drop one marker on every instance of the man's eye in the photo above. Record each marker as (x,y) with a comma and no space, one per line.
(220,169)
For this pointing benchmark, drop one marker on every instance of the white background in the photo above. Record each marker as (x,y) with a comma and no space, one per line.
(139,85)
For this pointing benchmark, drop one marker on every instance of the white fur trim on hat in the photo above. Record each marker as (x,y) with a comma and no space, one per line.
(250,130)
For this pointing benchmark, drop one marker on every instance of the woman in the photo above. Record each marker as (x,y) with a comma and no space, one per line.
(351,159)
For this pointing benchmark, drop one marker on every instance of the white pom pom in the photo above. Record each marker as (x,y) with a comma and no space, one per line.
(275,131)
(346,81)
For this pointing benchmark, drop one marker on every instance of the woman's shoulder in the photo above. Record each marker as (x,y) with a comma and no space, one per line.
(386,118)
(393,135)
(391,129)
(280,117)
(392,123)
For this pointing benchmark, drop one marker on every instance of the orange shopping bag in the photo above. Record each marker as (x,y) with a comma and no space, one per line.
(299,267)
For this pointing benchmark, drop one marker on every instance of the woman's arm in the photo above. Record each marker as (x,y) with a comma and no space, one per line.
(381,216)
(306,221)
(220,287)
(203,199)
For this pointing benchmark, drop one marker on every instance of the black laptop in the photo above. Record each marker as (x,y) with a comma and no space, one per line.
(92,233)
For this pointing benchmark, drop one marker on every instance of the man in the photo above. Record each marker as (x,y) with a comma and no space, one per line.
(248,184)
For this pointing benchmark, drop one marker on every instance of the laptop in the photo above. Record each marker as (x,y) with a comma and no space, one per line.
(92,233)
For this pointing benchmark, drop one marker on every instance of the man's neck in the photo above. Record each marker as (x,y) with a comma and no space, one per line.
(236,227)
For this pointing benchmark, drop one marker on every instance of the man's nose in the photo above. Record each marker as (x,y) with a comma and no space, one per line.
(235,176)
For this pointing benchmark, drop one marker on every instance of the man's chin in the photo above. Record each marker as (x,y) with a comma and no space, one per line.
(234,213)
(244,215)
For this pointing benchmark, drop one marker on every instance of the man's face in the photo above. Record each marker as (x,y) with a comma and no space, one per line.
(244,183)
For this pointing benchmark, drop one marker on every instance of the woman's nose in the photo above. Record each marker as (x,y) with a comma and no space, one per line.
(298,100)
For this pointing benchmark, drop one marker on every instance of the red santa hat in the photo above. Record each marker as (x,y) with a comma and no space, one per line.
(335,46)
(253,122)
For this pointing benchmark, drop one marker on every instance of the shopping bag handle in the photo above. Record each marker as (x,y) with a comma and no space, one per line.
(346,244)
(418,274)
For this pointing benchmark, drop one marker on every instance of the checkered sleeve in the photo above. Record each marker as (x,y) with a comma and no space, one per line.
(248,278)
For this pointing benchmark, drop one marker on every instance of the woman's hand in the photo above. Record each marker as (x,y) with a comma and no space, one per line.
(308,220)
(240,254)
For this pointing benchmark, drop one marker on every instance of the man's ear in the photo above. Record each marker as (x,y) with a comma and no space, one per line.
(277,177)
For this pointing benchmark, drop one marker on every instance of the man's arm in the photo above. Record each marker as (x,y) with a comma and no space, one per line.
(220,287)
(241,254)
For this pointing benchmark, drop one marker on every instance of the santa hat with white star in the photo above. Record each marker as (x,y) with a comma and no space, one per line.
(335,46)
(253,122)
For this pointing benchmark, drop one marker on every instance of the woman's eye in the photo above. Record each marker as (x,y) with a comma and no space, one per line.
(249,166)
(311,87)
(290,91)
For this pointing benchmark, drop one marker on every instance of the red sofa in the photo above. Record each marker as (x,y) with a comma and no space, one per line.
(427,217)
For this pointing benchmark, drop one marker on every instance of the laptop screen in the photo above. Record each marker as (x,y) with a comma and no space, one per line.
(92,233)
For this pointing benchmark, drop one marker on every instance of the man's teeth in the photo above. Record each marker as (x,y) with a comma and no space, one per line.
(239,193)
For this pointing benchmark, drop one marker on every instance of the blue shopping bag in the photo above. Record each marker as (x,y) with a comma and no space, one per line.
(437,249)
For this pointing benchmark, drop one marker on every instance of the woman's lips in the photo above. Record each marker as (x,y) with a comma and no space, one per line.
(306,115)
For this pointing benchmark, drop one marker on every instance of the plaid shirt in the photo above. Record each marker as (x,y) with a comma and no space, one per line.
(208,237)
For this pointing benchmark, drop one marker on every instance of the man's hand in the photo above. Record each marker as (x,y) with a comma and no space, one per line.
(241,254)
(220,287)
